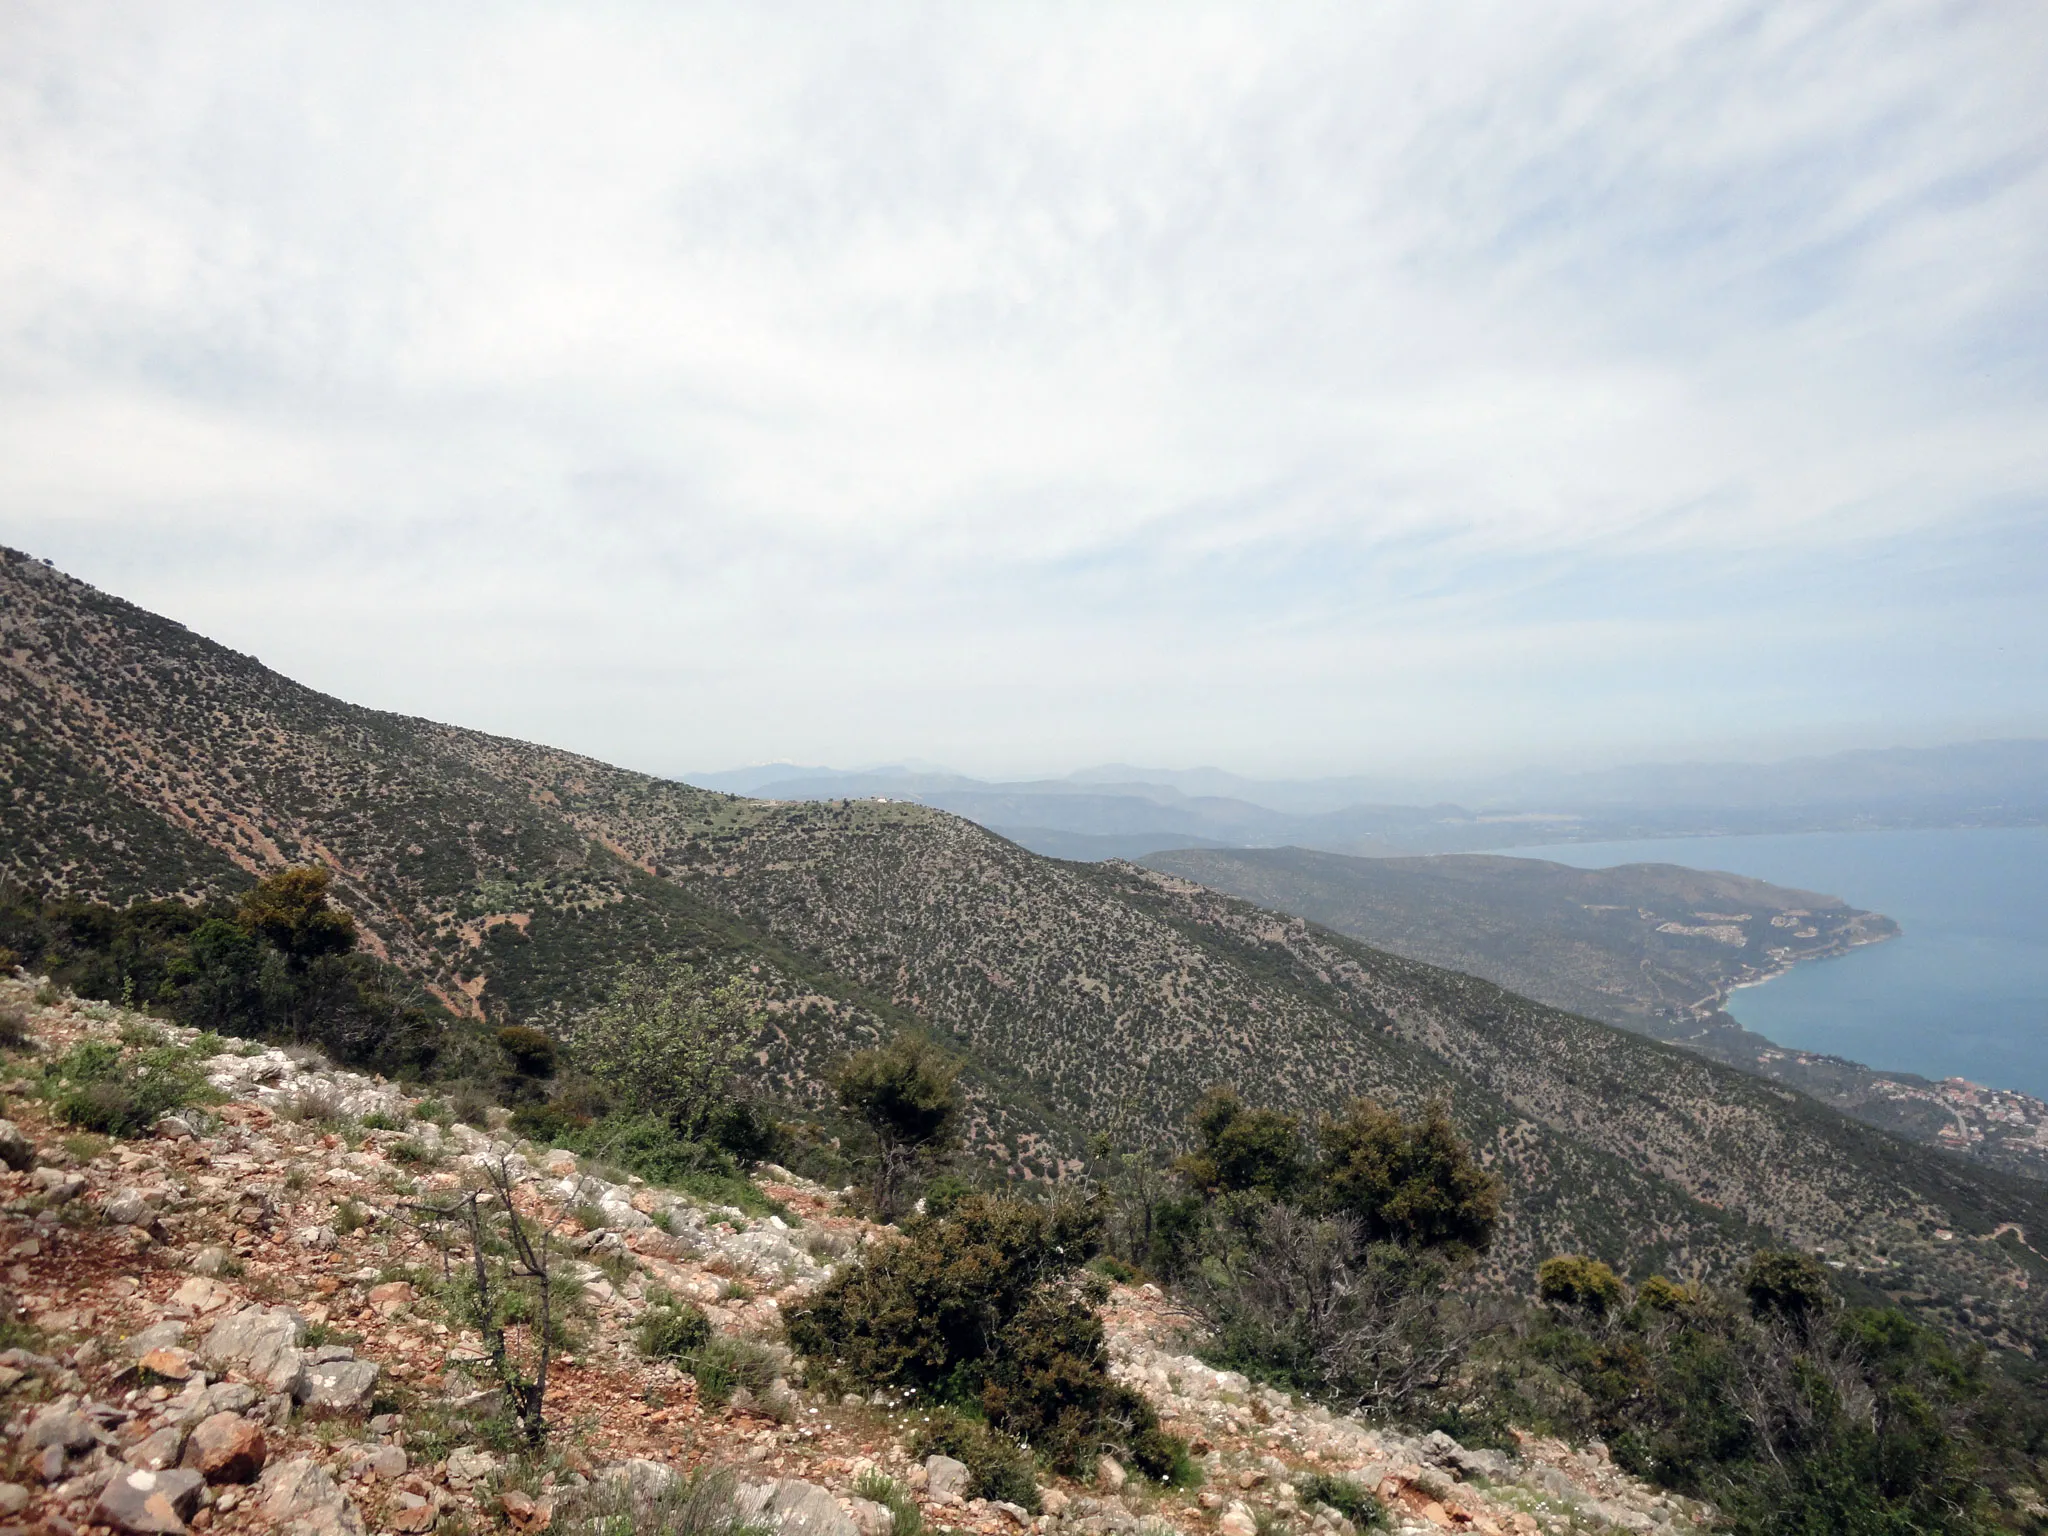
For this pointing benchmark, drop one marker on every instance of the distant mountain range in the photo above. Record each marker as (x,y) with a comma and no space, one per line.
(509,879)
(1118,811)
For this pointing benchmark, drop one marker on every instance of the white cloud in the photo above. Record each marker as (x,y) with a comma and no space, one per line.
(1005,384)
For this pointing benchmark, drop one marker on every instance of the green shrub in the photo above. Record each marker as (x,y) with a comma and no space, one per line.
(724,1364)
(876,1486)
(1048,1384)
(1353,1502)
(1238,1148)
(99,1088)
(943,1193)
(14,1033)
(1792,1286)
(997,1466)
(1663,1295)
(1571,1280)
(925,1312)
(1414,1182)
(414,1153)
(672,1328)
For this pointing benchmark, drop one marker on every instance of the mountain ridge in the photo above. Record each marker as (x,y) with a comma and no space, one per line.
(511,878)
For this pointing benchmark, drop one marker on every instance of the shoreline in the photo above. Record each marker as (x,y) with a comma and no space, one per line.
(1717,1000)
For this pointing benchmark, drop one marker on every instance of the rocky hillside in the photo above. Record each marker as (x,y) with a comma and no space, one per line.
(233,1326)
(509,878)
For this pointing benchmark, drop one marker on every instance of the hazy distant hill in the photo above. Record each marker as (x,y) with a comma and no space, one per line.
(143,758)
(1995,783)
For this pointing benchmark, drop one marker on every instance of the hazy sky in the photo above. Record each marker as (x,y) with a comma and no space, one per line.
(1294,388)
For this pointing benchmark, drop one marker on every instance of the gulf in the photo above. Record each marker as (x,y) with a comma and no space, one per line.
(1963,992)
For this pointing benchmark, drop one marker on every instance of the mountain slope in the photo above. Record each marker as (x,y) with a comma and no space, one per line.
(1646,945)
(1651,947)
(141,759)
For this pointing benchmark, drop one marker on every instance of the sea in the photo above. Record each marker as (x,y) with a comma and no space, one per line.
(1963,992)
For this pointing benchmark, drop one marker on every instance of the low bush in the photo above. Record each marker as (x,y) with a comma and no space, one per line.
(997,1466)
(672,1328)
(1354,1503)
(14,1035)
(925,1312)
(877,1487)
(1572,1281)
(980,1309)
(724,1364)
(98,1087)
(1309,1302)
(706,1505)
(1048,1384)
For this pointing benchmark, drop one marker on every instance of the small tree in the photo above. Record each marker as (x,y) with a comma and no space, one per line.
(1570,1280)
(1787,1285)
(291,910)
(908,1093)
(1414,1182)
(1239,1148)
(667,1042)
(511,1285)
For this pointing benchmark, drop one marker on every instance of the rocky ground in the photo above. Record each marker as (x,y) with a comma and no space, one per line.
(232,1325)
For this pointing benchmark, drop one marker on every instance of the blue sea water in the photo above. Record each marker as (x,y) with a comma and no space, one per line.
(1963,992)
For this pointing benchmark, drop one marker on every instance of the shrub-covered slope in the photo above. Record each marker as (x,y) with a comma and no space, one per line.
(142,759)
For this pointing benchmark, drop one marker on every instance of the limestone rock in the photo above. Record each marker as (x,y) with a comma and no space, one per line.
(149,1503)
(381,1462)
(873,1519)
(229,1397)
(263,1342)
(58,1186)
(16,1150)
(169,1362)
(469,1466)
(129,1208)
(162,1335)
(1238,1521)
(391,1298)
(226,1448)
(804,1509)
(61,1428)
(13,1499)
(945,1478)
(159,1451)
(337,1384)
(300,1499)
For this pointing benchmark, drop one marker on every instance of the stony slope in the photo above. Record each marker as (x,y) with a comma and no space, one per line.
(506,876)
(256,1266)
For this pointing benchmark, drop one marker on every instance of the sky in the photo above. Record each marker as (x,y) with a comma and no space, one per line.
(1301,389)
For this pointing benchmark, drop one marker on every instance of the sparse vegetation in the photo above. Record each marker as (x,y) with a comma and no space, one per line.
(997,1466)
(699,1506)
(98,1086)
